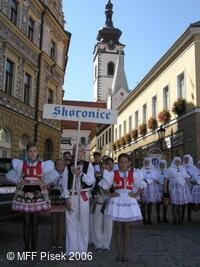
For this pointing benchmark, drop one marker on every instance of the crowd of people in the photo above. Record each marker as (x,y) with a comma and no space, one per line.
(100,199)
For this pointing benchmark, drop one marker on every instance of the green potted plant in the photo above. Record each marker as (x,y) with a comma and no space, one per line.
(179,107)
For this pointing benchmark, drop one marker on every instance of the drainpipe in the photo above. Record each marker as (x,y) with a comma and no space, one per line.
(39,76)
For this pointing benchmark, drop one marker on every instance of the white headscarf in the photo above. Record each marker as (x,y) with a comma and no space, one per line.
(164,162)
(150,166)
(190,163)
(173,164)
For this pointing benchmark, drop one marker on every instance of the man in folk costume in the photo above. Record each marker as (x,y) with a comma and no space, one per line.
(77,219)
(102,224)
(97,173)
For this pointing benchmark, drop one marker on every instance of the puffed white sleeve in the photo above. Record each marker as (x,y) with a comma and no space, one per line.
(15,174)
(107,180)
(49,172)
(65,191)
(139,182)
(88,177)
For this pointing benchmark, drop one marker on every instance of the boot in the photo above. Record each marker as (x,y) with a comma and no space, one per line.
(149,211)
(183,213)
(175,214)
(189,212)
(165,220)
(143,210)
(158,212)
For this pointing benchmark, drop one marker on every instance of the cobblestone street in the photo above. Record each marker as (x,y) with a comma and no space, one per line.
(157,245)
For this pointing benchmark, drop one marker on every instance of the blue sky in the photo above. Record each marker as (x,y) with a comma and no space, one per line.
(149,28)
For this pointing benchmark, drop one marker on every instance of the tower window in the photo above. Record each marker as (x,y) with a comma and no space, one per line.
(111,68)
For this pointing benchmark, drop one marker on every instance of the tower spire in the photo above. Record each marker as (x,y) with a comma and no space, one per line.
(109,13)
(109,33)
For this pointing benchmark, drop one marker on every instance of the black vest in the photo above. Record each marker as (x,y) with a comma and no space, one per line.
(71,176)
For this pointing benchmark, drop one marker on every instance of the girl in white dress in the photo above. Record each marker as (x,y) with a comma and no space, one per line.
(196,187)
(191,170)
(151,193)
(122,206)
(162,177)
(178,189)
(31,197)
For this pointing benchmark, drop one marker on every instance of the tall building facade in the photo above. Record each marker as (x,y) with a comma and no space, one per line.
(168,98)
(33,57)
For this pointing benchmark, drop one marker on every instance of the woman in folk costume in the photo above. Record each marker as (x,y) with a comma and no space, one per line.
(196,187)
(151,193)
(122,205)
(58,195)
(191,170)
(77,219)
(31,196)
(102,223)
(162,185)
(178,189)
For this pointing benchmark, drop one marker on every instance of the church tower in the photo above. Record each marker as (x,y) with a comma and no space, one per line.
(106,56)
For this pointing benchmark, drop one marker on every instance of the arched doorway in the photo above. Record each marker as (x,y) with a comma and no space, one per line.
(23,141)
(48,149)
(5,143)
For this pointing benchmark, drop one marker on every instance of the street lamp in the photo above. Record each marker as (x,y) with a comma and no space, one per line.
(161,135)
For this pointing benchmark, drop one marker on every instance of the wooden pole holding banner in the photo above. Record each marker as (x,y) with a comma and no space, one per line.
(75,163)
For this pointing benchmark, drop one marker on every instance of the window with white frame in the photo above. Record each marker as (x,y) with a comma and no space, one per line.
(115,133)
(124,127)
(181,85)
(166,97)
(120,131)
(130,123)
(144,115)
(136,119)
(110,135)
(154,106)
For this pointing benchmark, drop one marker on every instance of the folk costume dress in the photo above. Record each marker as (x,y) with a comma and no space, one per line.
(196,187)
(151,193)
(122,208)
(77,222)
(191,169)
(32,179)
(162,176)
(178,188)
(58,192)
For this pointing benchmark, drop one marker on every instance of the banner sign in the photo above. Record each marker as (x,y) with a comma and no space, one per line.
(83,114)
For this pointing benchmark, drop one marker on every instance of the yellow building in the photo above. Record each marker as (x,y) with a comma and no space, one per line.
(33,55)
(150,105)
